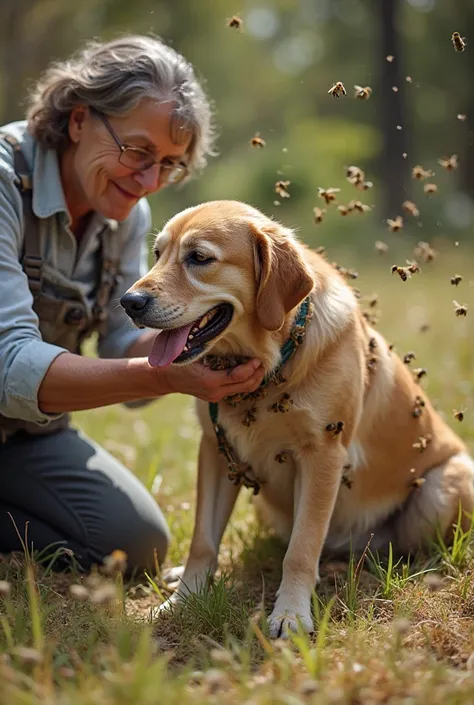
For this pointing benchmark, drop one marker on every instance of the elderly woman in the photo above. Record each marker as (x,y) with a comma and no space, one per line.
(117,122)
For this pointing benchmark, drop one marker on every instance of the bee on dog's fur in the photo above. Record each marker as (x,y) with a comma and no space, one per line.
(459,415)
(328,194)
(250,417)
(372,364)
(319,214)
(419,372)
(235,22)
(321,250)
(395,225)
(335,428)
(457,279)
(372,344)
(460,310)
(418,407)
(417,483)
(408,357)
(281,188)
(362,93)
(449,163)
(337,90)
(410,208)
(283,405)
(257,141)
(345,479)
(459,43)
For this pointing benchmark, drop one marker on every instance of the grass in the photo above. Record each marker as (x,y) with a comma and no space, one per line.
(393,631)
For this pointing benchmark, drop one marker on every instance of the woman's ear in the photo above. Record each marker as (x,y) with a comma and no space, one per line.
(283,278)
(76,123)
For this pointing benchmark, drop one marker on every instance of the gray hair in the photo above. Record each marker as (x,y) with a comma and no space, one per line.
(113,77)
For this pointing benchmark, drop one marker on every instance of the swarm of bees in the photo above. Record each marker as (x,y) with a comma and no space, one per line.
(449,163)
(337,90)
(460,310)
(281,188)
(235,22)
(395,225)
(362,93)
(257,141)
(459,43)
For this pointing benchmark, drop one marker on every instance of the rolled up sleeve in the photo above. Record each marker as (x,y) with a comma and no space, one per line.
(24,356)
(120,332)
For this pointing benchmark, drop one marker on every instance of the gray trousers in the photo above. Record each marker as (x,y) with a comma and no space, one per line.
(65,490)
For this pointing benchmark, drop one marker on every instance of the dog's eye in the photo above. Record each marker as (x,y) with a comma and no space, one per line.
(197,257)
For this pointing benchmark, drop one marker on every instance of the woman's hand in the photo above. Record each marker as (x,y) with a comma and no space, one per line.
(213,385)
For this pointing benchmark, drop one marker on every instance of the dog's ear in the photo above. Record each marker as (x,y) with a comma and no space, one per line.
(283,278)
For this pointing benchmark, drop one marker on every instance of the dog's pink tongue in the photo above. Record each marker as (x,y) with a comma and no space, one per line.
(168,345)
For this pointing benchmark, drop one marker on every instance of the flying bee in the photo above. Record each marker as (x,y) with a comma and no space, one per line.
(410,208)
(395,225)
(419,173)
(337,90)
(335,428)
(395,89)
(419,373)
(344,210)
(409,79)
(281,188)
(424,251)
(430,188)
(359,207)
(401,271)
(364,185)
(413,267)
(362,93)
(460,310)
(319,214)
(257,141)
(381,247)
(459,415)
(459,43)
(390,58)
(422,443)
(417,483)
(449,163)
(321,250)
(457,279)
(408,357)
(328,194)
(424,327)
(235,22)
(461,116)
(354,174)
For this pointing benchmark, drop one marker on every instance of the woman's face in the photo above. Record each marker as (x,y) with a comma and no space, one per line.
(102,183)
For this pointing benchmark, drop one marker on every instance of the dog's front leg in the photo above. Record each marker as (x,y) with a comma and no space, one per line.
(216,496)
(318,477)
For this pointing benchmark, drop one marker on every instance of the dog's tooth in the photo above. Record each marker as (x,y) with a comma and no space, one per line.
(190,336)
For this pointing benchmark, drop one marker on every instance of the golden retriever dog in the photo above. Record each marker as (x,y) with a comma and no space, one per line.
(341,443)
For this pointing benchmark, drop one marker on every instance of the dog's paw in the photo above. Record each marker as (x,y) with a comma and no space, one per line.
(283,621)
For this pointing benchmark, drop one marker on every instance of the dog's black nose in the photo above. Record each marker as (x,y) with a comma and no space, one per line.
(135,302)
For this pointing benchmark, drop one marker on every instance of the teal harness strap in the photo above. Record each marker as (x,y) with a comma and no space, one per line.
(237,473)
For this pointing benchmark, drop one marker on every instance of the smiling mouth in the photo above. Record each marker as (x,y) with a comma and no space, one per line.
(127,194)
(180,345)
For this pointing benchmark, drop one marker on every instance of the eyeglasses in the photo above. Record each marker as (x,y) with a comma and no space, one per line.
(139,159)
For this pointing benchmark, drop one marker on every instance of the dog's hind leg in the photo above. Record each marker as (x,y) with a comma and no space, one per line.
(447,491)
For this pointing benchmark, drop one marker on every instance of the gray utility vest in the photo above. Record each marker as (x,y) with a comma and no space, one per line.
(64,317)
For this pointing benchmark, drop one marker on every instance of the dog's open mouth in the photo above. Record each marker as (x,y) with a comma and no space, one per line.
(183,344)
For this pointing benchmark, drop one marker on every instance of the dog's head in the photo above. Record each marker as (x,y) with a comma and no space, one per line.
(222,270)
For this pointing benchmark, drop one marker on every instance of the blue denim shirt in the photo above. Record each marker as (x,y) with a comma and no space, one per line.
(24,356)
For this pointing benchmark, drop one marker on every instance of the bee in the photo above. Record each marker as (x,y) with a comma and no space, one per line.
(283,405)
(418,407)
(328,194)
(354,174)
(419,373)
(335,428)
(359,207)
(408,357)
(409,79)
(337,90)
(321,250)
(281,188)
(344,210)
(459,43)
(372,344)
(413,267)
(282,457)
(319,214)
(424,251)
(364,185)
(235,22)
(424,328)
(459,415)
(345,479)
(457,279)
(417,483)
(404,155)
(257,141)
(422,443)
(401,271)
(362,93)
(250,417)
(372,364)
(399,127)
(430,188)
(395,225)
(461,116)
(410,207)
(460,310)
(395,89)
(449,163)
(381,247)
(390,58)
(419,173)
